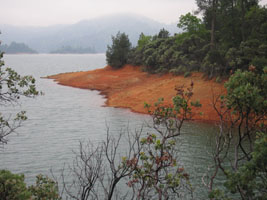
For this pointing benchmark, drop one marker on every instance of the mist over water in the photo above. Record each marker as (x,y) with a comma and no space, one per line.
(64,116)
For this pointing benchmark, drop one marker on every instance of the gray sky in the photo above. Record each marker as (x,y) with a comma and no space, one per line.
(50,12)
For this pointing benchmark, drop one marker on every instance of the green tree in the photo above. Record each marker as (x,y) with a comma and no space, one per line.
(190,23)
(215,45)
(157,173)
(210,9)
(12,87)
(143,41)
(117,54)
(252,176)
(12,186)
(163,33)
(44,189)
(243,112)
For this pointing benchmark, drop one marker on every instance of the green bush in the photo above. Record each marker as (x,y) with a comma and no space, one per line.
(45,188)
(218,79)
(175,71)
(187,74)
(252,176)
(162,70)
(178,71)
(182,69)
(259,63)
(12,186)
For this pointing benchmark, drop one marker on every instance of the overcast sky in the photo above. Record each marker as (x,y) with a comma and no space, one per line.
(51,12)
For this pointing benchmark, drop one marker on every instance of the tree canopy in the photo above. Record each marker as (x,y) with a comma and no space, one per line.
(117,54)
(232,35)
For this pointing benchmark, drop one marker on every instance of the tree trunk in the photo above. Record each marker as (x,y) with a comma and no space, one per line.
(213,21)
(243,20)
(233,20)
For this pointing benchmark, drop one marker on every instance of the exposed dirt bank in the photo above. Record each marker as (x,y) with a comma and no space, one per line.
(129,87)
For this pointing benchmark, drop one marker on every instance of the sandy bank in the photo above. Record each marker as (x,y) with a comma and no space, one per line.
(130,88)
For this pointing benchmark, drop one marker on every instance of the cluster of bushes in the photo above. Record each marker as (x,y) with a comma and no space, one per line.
(176,54)
(12,186)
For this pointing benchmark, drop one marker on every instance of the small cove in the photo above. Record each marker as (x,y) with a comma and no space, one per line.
(65,115)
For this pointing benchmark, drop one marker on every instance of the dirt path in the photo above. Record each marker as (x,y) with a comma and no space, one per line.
(129,87)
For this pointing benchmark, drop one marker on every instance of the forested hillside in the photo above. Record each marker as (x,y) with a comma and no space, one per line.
(15,48)
(232,35)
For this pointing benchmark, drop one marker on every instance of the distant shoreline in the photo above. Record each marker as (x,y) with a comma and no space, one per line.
(53,53)
(21,53)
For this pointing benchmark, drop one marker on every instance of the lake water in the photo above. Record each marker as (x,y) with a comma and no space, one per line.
(64,116)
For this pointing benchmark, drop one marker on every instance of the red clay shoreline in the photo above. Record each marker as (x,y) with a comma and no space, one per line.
(129,87)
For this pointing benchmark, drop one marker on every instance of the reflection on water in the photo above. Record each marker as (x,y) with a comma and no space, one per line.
(64,116)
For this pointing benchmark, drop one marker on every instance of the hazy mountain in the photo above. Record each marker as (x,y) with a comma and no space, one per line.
(94,33)
(15,48)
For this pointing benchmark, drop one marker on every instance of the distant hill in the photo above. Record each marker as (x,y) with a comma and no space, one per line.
(94,33)
(15,48)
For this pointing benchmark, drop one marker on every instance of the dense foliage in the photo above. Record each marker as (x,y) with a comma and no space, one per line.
(12,186)
(231,36)
(250,179)
(243,114)
(247,96)
(252,176)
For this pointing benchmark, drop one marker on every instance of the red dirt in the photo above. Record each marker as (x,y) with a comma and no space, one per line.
(129,87)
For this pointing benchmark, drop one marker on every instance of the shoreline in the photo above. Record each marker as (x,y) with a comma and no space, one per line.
(129,88)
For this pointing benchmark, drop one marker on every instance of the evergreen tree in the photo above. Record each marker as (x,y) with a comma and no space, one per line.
(117,54)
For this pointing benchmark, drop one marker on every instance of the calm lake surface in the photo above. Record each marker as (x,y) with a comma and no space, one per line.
(64,116)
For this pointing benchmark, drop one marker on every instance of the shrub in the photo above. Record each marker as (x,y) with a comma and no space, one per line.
(161,70)
(259,63)
(175,71)
(187,74)
(218,79)
(12,186)
(45,188)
